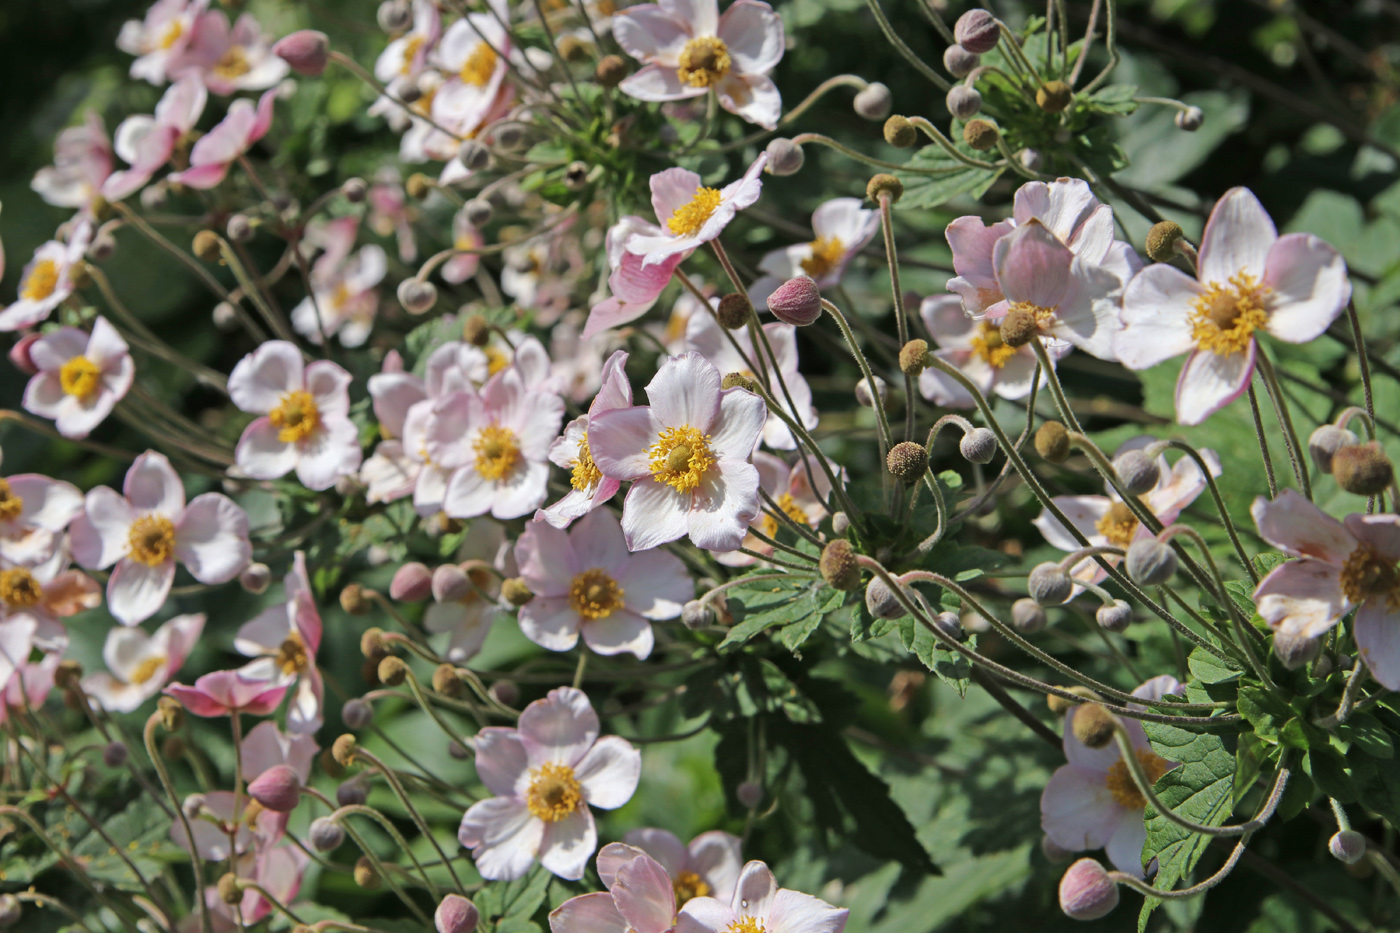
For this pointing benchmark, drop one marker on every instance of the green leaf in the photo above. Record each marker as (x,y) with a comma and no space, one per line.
(1116,99)
(776,601)
(1159,153)
(1209,669)
(950,666)
(1366,733)
(1265,712)
(954,178)
(512,904)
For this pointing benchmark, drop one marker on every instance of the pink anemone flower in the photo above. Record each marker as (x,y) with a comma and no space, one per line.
(81,377)
(284,640)
(634,284)
(589,487)
(842,229)
(224,693)
(138,664)
(266,747)
(708,866)
(759,904)
(158,38)
(1249,279)
(789,486)
(148,142)
(47,281)
(235,134)
(229,59)
(640,897)
(34,512)
(82,161)
(975,348)
(692,214)
(545,775)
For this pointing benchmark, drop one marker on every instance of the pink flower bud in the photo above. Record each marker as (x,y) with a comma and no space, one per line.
(977,31)
(277,788)
(1087,892)
(19,354)
(797,301)
(412,583)
(1347,846)
(456,914)
(306,51)
(450,584)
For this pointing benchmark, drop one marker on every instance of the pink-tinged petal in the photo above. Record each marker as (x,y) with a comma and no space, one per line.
(672,189)
(329,385)
(304,708)
(550,622)
(752,96)
(135,591)
(613,856)
(1063,206)
(262,454)
(1124,847)
(598,542)
(715,857)
(1377,632)
(643,894)
(1013,380)
(1083,512)
(753,33)
(1381,533)
(1088,316)
(654,513)
(754,891)
(211,539)
(52,350)
(523,492)
(1077,810)
(265,632)
(658,83)
(503,835)
(560,728)
(568,844)
(1032,266)
(742,417)
(618,441)
(685,391)
(468,494)
(1302,598)
(547,560)
(328,454)
(1208,382)
(655,584)
(501,762)
(704,915)
(99,537)
(152,485)
(1295,526)
(972,242)
(394,393)
(16,643)
(609,772)
(588,913)
(664,847)
(701,17)
(261,378)
(1310,287)
(795,912)
(724,505)
(1238,238)
(1156,317)
(202,177)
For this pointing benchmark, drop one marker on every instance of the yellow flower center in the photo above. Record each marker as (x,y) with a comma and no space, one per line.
(146,670)
(295,417)
(704,60)
(10,504)
(19,589)
(479,66)
(410,51)
(586,472)
(497,452)
(1367,575)
(681,457)
(1118,525)
(172,34)
(151,540)
(291,655)
(41,282)
(1121,785)
(746,925)
(79,377)
(687,219)
(234,63)
(988,345)
(1224,319)
(769,524)
(496,360)
(826,253)
(554,792)
(688,885)
(594,594)
(340,297)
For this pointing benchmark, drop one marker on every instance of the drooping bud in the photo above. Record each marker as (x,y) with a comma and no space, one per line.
(900,133)
(873,101)
(255,578)
(697,614)
(868,397)
(798,301)
(1052,442)
(516,591)
(1293,651)
(1325,442)
(838,565)
(329,766)
(963,102)
(325,834)
(576,175)
(19,354)
(354,189)
(354,600)
(610,71)
(343,750)
(1190,119)
(1347,846)
(1031,159)
(785,157)
(206,246)
(881,601)
(907,461)
(306,51)
(413,582)
(1018,328)
(394,16)
(229,891)
(239,228)
(365,875)
(840,522)
(114,754)
(447,682)
(977,31)
(1162,240)
(223,316)
(417,296)
(505,692)
(750,793)
(392,671)
(1114,617)
(1093,725)
(734,310)
(10,910)
(193,805)
(1027,617)
(978,445)
(1054,96)
(354,792)
(372,643)
(950,625)
(1150,562)
(473,155)
(883,184)
(418,186)
(1087,892)
(1049,584)
(451,584)
(456,914)
(357,713)
(277,789)
(981,134)
(913,357)
(1363,469)
(1137,471)
(959,61)
(479,212)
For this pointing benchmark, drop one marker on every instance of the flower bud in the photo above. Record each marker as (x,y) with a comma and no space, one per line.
(192,806)
(412,583)
(516,591)
(1052,442)
(900,133)
(365,875)
(354,190)
(734,310)
(798,301)
(479,212)
(356,713)
(785,157)
(698,614)
(1347,846)
(1322,667)
(977,31)
(1137,471)
(750,793)
(873,101)
(978,445)
(114,754)
(229,891)
(1162,240)
(306,51)
(394,16)
(959,61)
(913,357)
(1294,651)
(277,789)
(881,601)
(1190,119)
(447,682)
(505,692)
(1093,725)
(352,793)
(963,102)
(1363,469)
(1114,617)
(456,914)
(473,155)
(417,296)
(343,750)
(867,397)
(1018,328)
(19,354)
(223,316)
(981,134)
(10,910)
(451,584)
(576,175)
(610,71)
(1054,96)
(325,834)
(1325,442)
(1049,585)
(1087,892)
(950,625)
(840,523)
(1150,562)
(206,246)
(392,671)
(1027,617)
(883,184)
(1031,159)
(907,461)
(838,565)
(255,578)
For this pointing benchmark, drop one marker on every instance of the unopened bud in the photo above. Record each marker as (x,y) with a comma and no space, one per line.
(1293,651)
(343,750)
(19,354)
(473,155)
(881,601)
(447,682)
(900,133)
(354,792)
(224,316)
(392,671)
(610,71)
(1150,562)
(1018,328)
(1190,119)
(1137,472)
(1347,846)
(394,16)
(511,136)
(963,102)
(576,175)
(734,311)
(1093,725)
(838,565)
(505,692)
(365,875)
(840,523)
(417,296)
(750,793)
(255,578)
(785,157)
(354,189)
(277,789)
(229,891)
(907,461)
(950,624)
(882,185)
(1054,96)
(356,713)
(1031,159)
(1363,469)
(913,357)
(698,614)
(192,806)
(479,212)
(412,583)
(868,397)
(114,754)
(1115,616)
(798,301)
(1049,585)
(451,584)
(206,246)
(978,445)
(1325,442)
(456,914)
(306,51)
(977,31)
(325,834)
(239,228)
(959,61)
(1162,240)
(1052,442)
(1087,892)
(981,134)
(1027,617)
(353,599)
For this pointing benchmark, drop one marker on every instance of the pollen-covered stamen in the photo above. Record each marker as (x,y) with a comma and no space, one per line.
(688,219)
(291,655)
(234,63)
(479,66)
(151,540)
(594,594)
(10,504)
(1367,574)
(703,62)
(554,793)
(1044,317)
(496,360)
(1124,789)
(826,254)
(746,925)
(990,348)
(1119,525)
(41,282)
(586,474)
(146,670)
(19,589)
(295,417)
(688,885)
(1225,317)
(681,457)
(497,451)
(79,377)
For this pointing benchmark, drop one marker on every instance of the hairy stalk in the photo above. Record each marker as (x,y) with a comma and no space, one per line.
(1263,443)
(1285,421)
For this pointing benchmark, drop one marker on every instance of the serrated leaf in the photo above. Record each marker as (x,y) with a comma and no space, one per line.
(950,666)
(1209,669)
(775,601)
(1366,733)
(514,901)
(1116,99)
(953,178)
(1265,712)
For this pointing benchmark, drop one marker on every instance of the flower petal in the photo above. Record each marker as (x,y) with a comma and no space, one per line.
(653,513)
(1238,238)
(609,772)
(1310,287)
(211,539)
(567,845)
(135,591)
(1294,525)
(1208,382)
(559,728)
(1377,631)
(1302,598)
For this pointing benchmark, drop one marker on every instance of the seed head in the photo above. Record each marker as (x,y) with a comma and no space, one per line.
(1087,892)
(838,565)
(913,357)
(172,714)
(981,134)
(873,101)
(900,133)
(798,301)
(1052,442)
(908,461)
(1162,240)
(392,671)
(365,875)
(206,246)
(978,445)
(738,381)
(516,591)
(344,750)
(1054,96)
(418,186)
(785,157)
(1115,616)
(1059,705)
(1093,725)
(734,310)
(229,891)
(1027,617)
(1150,562)
(959,61)
(1325,442)
(883,184)
(1363,469)
(610,71)
(977,31)
(1018,328)
(963,102)
(1049,585)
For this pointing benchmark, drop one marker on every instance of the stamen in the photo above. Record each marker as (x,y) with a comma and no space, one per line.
(146,670)
(687,219)
(479,66)
(151,540)
(1121,785)
(586,474)
(703,62)
(496,452)
(296,417)
(554,792)
(79,377)
(41,282)
(1225,317)
(681,457)
(19,589)
(826,254)
(10,504)
(594,594)
(989,347)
